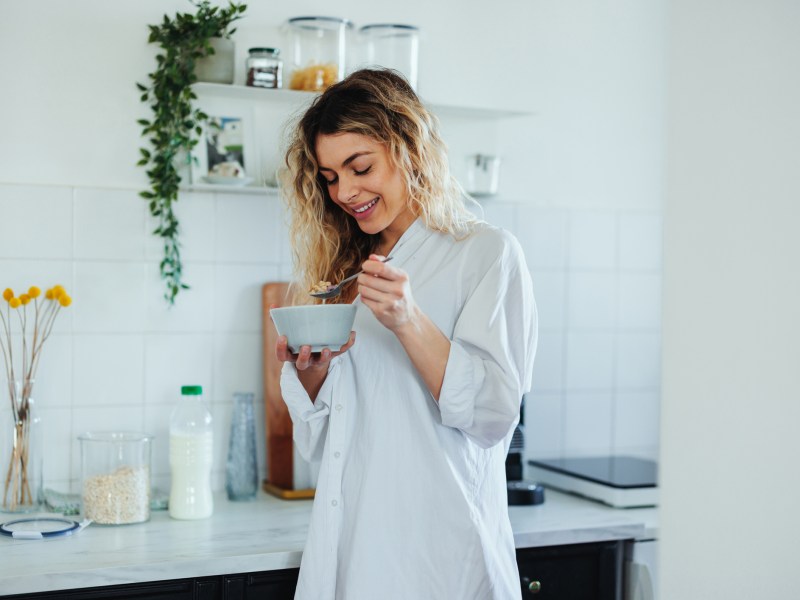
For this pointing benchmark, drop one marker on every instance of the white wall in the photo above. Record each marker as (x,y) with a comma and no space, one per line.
(580,188)
(730,519)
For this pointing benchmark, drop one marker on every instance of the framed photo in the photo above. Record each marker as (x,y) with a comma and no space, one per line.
(224,153)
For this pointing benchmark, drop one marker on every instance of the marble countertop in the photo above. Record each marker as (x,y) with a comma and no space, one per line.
(262,535)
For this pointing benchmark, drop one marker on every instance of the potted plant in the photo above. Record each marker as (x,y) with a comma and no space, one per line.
(173,129)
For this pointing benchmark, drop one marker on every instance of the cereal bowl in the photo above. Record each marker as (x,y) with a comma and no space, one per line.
(319,326)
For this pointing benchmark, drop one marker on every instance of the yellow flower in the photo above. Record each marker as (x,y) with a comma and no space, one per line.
(34,292)
(24,298)
(8,294)
(15,302)
(64,300)
(49,294)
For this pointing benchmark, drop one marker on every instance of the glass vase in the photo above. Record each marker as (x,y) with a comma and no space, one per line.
(21,449)
(241,470)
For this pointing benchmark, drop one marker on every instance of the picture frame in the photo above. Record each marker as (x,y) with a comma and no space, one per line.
(225,153)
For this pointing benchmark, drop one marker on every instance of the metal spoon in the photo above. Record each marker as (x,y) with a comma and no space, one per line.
(335,290)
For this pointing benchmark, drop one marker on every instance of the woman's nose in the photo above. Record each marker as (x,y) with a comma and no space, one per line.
(347,189)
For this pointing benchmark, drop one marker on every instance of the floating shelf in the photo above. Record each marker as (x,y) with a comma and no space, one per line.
(295,98)
(257,190)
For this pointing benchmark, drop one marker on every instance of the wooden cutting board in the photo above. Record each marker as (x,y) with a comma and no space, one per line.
(277,422)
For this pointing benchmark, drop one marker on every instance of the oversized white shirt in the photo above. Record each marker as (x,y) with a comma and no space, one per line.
(411,499)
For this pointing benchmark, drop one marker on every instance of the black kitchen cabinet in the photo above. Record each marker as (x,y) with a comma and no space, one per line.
(572,572)
(266,585)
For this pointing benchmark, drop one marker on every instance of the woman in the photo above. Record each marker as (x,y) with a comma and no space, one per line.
(412,418)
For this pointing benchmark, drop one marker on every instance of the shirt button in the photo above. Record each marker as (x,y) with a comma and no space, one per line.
(339,407)
(334,503)
(337,454)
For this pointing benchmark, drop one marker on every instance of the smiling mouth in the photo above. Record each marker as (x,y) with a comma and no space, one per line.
(366,207)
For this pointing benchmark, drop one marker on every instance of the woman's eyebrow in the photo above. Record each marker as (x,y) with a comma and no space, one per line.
(349,159)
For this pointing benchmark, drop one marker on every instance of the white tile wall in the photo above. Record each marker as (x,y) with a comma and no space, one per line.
(119,354)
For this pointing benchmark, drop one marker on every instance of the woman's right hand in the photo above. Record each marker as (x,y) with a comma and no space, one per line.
(312,367)
(307,360)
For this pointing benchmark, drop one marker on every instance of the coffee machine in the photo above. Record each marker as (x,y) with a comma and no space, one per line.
(520,491)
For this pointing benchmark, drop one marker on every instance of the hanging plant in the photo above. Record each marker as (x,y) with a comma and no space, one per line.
(174,128)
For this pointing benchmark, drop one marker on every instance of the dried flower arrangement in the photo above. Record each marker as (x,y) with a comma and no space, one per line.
(17,487)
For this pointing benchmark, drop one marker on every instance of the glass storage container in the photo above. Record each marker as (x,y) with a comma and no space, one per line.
(483,174)
(115,476)
(318,52)
(264,68)
(391,45)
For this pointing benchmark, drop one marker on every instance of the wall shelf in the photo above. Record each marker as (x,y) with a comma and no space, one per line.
(298,99)
(255,190)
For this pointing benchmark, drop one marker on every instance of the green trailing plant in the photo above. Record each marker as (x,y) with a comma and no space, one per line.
(175,126)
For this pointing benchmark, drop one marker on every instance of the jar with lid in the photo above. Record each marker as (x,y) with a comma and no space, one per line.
(264,68)
(191,444)
(318,52)
(391,45)
(115,477)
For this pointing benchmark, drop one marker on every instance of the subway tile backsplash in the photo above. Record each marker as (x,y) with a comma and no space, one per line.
(119,354)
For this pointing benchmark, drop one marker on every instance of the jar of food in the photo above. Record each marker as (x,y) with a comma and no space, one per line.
(115,476)
(318,52)
(264,68)
(391,45)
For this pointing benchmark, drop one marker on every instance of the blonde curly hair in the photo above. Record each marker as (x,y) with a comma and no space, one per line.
(327,244)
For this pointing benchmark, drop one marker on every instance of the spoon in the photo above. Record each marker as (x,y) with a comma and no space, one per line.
(335,290)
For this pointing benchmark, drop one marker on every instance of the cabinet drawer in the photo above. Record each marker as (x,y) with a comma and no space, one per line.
(573,572)
(270,585)
(182,589)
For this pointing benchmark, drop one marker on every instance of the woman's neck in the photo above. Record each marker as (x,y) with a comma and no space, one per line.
(390,236)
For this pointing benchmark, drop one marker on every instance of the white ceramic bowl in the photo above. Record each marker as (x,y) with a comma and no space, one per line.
(319,325)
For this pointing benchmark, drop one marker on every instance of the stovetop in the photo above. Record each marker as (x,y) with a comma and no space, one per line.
(614,471)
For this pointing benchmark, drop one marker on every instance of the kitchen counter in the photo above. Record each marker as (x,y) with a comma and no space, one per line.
(262,535)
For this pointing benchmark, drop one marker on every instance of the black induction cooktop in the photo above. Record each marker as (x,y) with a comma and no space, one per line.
(615,471)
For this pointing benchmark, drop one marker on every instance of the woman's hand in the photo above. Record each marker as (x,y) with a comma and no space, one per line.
(386,291)
(312,367)
(305,359)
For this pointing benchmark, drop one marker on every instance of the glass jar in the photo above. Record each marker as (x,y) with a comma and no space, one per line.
(191,443)
(115,476)
(318,52)
(391,45)
(264,68)
(483,174)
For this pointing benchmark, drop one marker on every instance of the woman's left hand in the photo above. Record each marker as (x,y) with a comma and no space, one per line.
(386,291)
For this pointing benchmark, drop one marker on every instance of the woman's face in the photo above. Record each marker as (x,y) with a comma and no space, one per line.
(362,180)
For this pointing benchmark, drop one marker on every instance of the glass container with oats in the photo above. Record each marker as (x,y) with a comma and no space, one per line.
(115,476)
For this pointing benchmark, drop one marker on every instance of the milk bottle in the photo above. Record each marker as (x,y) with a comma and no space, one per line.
(190,456)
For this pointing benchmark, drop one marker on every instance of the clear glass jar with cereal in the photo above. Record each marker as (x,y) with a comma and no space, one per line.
(115,476)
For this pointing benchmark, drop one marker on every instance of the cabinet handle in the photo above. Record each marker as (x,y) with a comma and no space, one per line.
(534,586)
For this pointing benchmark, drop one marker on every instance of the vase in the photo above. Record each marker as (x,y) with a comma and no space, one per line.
(241,470)
(220,66)
(21,449)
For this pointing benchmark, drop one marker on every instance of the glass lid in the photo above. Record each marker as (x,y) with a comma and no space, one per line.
(36,528)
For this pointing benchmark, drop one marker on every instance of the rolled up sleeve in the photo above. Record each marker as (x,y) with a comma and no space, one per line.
(490,364)
(309,418)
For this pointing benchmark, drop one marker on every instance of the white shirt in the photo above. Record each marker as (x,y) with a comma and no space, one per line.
(411,499)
